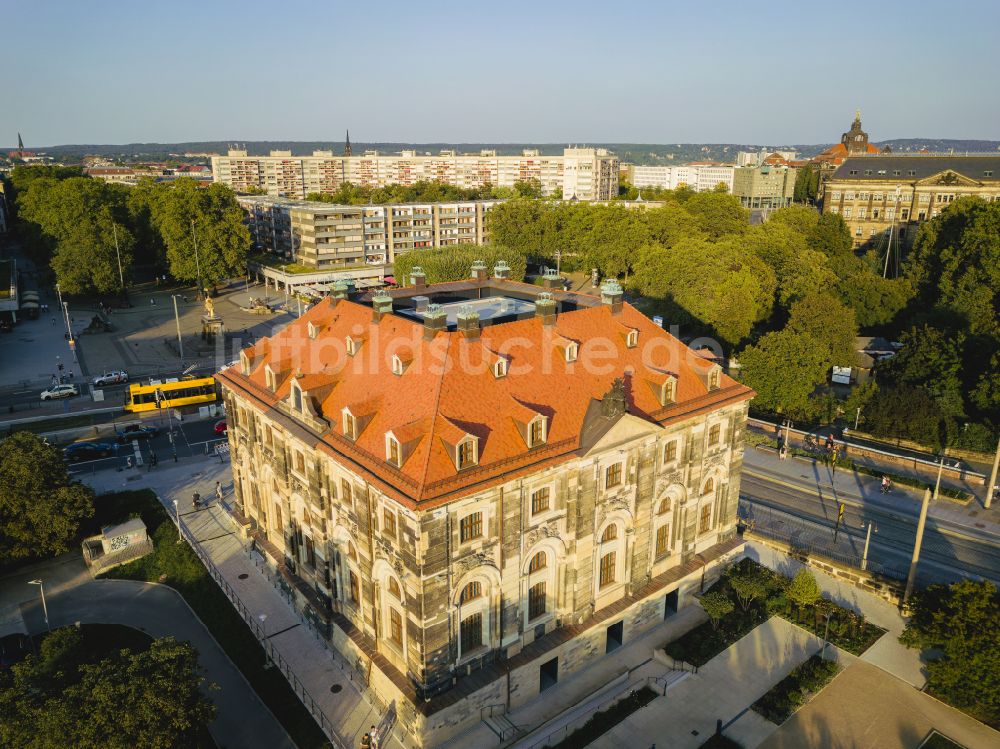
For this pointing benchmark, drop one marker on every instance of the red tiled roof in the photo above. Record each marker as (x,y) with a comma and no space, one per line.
(449,391)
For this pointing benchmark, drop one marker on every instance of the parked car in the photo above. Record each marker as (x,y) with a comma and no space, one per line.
(221,427)
(111,378)
(88,451)
(137,432)
(60,391)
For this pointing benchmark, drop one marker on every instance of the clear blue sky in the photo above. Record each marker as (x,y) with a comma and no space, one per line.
(119,71)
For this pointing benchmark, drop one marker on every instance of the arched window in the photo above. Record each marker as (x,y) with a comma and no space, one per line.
(394,588)
(471,592)
(607,570)
(709,487)
(664,507)
(610,534)
(536,600)
(538,562)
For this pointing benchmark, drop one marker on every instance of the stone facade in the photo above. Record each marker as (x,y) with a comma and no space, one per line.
(459,604)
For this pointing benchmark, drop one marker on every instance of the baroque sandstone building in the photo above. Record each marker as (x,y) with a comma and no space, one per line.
(479,487)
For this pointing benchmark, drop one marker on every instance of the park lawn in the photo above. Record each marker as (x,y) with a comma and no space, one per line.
(176,565)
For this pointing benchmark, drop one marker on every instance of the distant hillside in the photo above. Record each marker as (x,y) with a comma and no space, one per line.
(637,153)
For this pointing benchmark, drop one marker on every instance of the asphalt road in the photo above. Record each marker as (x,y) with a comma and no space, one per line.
(803,517)
(174,438)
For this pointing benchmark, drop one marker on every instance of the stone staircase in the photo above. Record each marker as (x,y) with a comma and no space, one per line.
(502,726)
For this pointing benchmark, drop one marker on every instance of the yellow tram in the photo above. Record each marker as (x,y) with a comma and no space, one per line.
(170,393)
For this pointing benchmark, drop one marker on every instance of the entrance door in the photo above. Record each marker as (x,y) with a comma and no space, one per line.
(548,674)
(670,603)
(615,636)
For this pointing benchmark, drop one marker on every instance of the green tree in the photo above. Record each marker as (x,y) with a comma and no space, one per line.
(718,214)
(749,584)
(959,624)
(806,185)
(956,263)
(909,413)
(203,231)
(830,323)
(63,698)
(670,223)
(930,359)
(784,368)
(721,285)
(40,508)
(716,605)
(830,235)
(803,590)
(80,220)
(799,270)
(803,219)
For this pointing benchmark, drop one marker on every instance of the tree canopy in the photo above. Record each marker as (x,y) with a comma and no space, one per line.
(65,697)
(960,624)
(40,508)
(785,368)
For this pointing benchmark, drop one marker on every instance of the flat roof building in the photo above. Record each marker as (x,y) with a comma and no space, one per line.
(583,173)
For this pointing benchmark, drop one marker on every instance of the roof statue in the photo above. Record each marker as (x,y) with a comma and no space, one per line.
(613,402)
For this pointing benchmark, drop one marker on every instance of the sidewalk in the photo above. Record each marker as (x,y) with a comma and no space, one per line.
(722,689)
(298,648)
(972,519)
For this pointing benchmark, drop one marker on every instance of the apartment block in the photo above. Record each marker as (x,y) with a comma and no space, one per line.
(698,177)
(326,236)
(581,173)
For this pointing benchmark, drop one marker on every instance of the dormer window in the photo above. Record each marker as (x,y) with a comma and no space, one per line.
(537,431)
(352,345)
(500,368)
(632,339)
(270,379)
(393,453)
(468,453)
(244,363)
(313,330)
(350,425)
(296,397)
(714,378)
(397,365)
(572,349)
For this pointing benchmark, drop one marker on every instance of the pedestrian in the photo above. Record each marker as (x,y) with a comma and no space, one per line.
(152,302)
(218,490)
(53,322)
(128,462)
(153,460)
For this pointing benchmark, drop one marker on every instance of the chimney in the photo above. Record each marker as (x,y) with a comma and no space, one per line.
(501,271)
(434,321)
(546,309)
(381,305)
(468,321)
(552,280)
(340,290)
(417,277)
(611,295)
(479,272)
(420,303)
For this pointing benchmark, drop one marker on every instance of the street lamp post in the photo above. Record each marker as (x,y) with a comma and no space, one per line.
(826,634)
(45,608)
(177,319)
(868,539)
(993,478)
(921,522)
(177,519)
(263,638)
(121,276)
(197,260)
